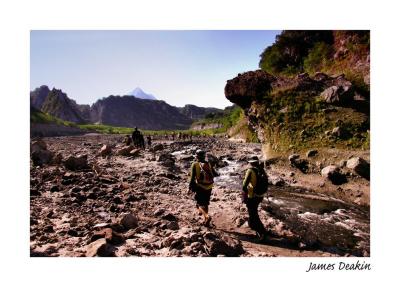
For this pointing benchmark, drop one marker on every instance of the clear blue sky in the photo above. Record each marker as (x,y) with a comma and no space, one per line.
(179,67)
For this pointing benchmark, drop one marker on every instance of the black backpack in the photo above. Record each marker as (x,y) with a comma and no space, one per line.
(206,174)
(262,181)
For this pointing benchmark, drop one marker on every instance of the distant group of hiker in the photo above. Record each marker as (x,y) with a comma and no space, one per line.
(137,139)
(254,188)
(178,136)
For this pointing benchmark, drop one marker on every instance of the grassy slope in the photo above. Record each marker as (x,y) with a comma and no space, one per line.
(44,118)
(233,122)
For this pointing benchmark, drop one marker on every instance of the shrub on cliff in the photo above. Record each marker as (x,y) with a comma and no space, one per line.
(287,54)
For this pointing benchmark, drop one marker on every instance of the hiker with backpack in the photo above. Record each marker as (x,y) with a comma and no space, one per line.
(136,137)
(201,183)
(255,185)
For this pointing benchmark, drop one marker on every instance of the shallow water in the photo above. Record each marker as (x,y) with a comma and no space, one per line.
(318,220)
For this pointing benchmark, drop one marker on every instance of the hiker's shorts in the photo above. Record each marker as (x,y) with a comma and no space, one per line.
(202,196)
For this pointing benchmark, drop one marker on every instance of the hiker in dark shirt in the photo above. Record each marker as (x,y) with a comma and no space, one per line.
(135,137)
(254,188)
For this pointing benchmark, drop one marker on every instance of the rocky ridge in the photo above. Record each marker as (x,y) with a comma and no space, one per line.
(122,111)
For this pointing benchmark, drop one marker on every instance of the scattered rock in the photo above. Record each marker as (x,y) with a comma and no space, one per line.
(100,248)
(157,147)
(76,163)
(57,159)
(134,153)
(166,159)
(129,221)
(173,225)
(41,157)
(187,158)
(110,235)
(169,217)
(293,158)
(339,93)
(105,150)
(125,151)
(276,180)
(332,172)
(299,163)
(38,145)
(159,212)
(222,245)
(360,166)
(342,163)
(312,153)
(337,132)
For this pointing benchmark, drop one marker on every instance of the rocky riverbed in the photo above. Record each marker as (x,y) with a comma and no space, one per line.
(92,196)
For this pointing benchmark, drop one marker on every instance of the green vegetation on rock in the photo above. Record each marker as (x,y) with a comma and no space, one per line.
(312,91)
(231,121)
(299,120)
(331,52)
(39,117)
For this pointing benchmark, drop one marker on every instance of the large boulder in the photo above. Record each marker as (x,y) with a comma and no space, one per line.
(276,180)
(338,132)
(222,245)
(166,159)
(100,248)
(299,163)
(125,151)
(332,172)
(293,158)
(76,162)
(57,159)
(247,87)
(359,165)
(311,153)
(339,93)
(129,221)
(105,150)
(109,235)
(157,147)
(38,145)
(39,153)
(134,153)
(42,156)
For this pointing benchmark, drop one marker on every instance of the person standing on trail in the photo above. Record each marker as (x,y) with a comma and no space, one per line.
(255,185)
(201,183)
(149,141)
(135,137)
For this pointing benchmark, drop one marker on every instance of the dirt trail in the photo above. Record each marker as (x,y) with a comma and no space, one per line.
(67,207)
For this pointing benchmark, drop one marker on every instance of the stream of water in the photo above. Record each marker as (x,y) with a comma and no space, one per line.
(317,219)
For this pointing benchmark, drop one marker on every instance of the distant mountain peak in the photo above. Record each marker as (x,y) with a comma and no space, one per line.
(139,93)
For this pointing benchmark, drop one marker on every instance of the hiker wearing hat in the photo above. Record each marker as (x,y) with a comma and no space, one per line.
(255,186)
(201,183)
